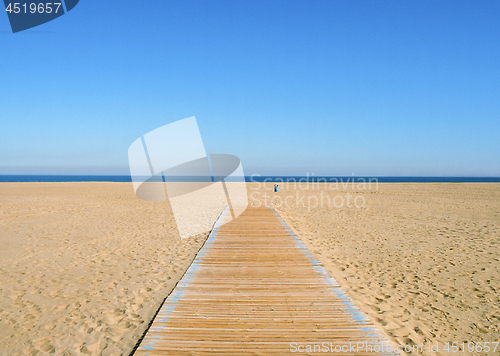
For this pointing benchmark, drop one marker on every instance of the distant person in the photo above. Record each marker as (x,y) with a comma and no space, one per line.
(276,188)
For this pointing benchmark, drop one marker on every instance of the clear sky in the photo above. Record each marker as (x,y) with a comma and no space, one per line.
(405,88)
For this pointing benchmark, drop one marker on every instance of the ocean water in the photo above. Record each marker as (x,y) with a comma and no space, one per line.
(275,179)
(63,178)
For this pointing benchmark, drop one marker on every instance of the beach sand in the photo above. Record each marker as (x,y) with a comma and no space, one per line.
(85,266)
(421,260)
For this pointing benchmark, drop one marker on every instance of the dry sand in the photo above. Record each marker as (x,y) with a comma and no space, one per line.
(84,266)
(422,260)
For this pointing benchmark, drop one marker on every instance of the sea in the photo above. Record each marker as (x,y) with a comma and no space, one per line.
(257,178)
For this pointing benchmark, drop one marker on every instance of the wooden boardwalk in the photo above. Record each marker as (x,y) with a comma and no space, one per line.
(255,289)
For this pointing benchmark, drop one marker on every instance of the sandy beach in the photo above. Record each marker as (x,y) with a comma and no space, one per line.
(86,265)
(421,260)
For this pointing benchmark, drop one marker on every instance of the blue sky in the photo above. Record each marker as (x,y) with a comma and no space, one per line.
(409,88)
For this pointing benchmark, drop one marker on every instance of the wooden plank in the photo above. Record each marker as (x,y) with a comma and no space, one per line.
(255,289)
